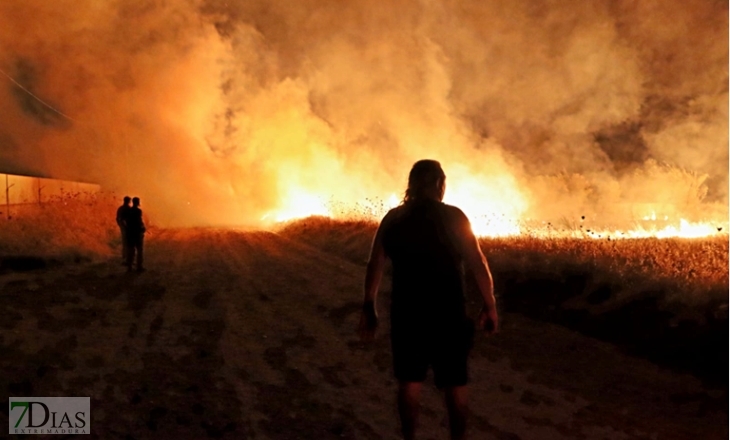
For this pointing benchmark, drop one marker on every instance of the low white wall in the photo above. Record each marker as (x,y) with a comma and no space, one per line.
(26,189)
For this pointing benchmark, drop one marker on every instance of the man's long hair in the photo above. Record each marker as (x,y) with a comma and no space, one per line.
(424,180)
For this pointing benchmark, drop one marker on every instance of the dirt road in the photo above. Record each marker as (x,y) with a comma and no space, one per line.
(250,335)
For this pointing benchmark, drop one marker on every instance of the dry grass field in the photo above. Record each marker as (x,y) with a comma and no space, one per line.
(73,227)
(246,334)
(690,271)
(666,299)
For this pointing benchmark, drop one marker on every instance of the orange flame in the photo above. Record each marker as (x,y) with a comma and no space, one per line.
(492,204)
(494,211)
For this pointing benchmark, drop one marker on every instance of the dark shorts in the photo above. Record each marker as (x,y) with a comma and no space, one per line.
(444,348)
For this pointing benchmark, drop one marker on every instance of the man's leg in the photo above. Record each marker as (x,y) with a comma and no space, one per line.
(125,245)
(408,406)
(140,252)
(457,405)
(130,251)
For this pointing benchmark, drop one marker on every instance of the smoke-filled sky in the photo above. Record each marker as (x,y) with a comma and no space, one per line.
(219,112)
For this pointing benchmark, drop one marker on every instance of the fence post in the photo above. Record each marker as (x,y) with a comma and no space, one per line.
(38,179)
(7,198)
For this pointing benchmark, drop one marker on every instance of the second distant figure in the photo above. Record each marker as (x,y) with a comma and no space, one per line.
(121,214)
(135,229)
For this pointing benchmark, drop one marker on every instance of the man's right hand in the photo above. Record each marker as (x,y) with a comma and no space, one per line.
(368,322)
(489,321)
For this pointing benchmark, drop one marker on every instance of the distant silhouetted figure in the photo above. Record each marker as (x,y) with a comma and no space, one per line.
(121,213)
(428,243)
(135,235)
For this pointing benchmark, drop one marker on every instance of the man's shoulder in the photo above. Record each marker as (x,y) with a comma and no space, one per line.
(455,216)
(453,211)
(131,211)
(391,214)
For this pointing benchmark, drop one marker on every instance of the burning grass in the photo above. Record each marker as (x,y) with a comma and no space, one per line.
(70,228)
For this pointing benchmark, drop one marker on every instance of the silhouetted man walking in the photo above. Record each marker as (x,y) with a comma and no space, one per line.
(121,213)
(135,235)
(428,243)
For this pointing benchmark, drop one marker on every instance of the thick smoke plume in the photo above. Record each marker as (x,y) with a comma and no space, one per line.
(219,112)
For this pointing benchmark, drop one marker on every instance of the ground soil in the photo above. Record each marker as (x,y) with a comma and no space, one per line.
(250,335)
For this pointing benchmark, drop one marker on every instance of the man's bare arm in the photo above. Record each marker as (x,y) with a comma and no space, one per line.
(476,262)
(373,276)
